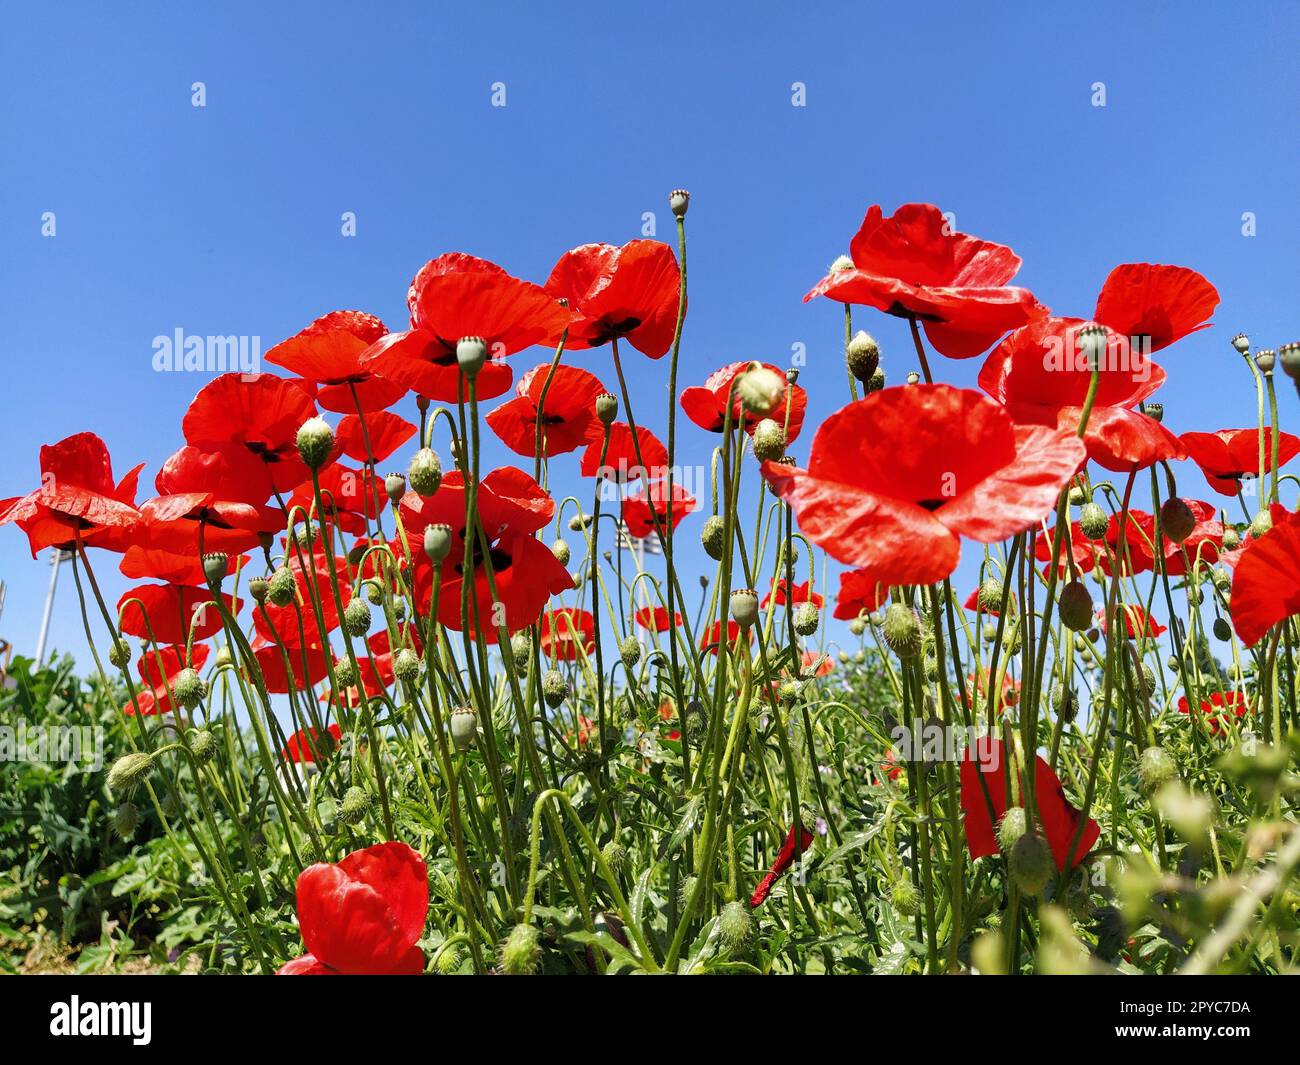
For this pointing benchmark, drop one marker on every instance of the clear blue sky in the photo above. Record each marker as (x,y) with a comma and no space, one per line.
(226,219)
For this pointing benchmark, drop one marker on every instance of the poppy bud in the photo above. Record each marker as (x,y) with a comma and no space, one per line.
(862,355)
(352,810)
(258,588)
(806,619)
(686,889)
(760,390)
(744,607)
(1264,359)
(678,201)
(345,672)
(1011,828)
(1065,703)
(555,688)
(902,630)
(1222,630)
(1231,538)
(615,855)
(841,263)
(1031,864)
(406,666)
(905,898)
(990,594)
(471,353)
(711,536)
(1221,578)
(448,961)
(1077,496)
(223,657)
(790,691)
(630,651)
(561,552)
(356,617)
(696,720)
(844,658)
(1289,354)
(129,770)
(120,653)
(876,383)
(190,689)
(126,819)
(215,565)
(1155,769)
(374,592)
(463,727)
(1141,677)
(425,471)
(1075,607)
(768,440)
(437,542)
(458,453)
(1177,519)
(280,587)
(606,408)
(1092,346)
(1260,524)
(1155,411)
(858,626)
(520,651)
(315,442)
(1093,522)
(395,487)
(521,953)
(1242,343)
(735,927)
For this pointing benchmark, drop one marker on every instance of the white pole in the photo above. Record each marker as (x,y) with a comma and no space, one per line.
(49,607)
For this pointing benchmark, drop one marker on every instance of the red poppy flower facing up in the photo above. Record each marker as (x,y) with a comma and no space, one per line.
(364,915)
(1039,373)
(1154,305)
(77,499)
(895,479)
(303,745)
(386,432)
(861,592)
(455,296)
(158,670)
(621,463)
(712,636)
(328,353)
(1137,622)
(615,292)
(790,850)
(1234,701)
(1057,819)
(1229,456)
(914,265)
(656,619)
(801,593)
(350,497)
(170,611)
(568,411)
(1266,579)
(642,510)
(254,419)
(567,633)
(706,405)
(307,666)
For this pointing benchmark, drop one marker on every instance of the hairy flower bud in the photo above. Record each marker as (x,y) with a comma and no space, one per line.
(906,899)
(1261,523)
(560,550)
(1093,522)
(356,617)
(555,688)
(1222,630)
(806,619)
(521,953)
(1075,606)
(120,653)
(1011,828)
(129,771)
(696,720)
(406,666)
(711,536)
(463,727)
(768,440)
(615,855)
(126,819)
(902,630)
(315,442)
(876,383)
(990,595)
(353,808)
(735,927)
(190,689)
(858,626)
(630,651)
(1231,538)
(345,672)
(437,542)
(281,587)
(1031,864)
(760,389)
(1155,769)
(425,471)
(863,355)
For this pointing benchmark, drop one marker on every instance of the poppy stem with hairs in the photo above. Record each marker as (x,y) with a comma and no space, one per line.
(595,600)
(848,339)
(920,349)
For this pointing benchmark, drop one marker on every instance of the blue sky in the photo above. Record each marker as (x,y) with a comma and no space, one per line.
(226,219)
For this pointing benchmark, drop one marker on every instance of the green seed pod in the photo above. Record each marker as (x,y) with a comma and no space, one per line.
(190,689)
(806,619)
(1176,519)
(463,727)
(395,487)
(1031,864)
(606,408)
(1075,606)
(1093,522)
(902,630)
(126,819)
(356,617)
(120,653)
(437,542)
(615,855)
(735,927)
(711,536)
(1011,828)
(203,745)
(215,566)
(744,607)
(471,354)
(561,552)
(1155,769)
(352,811)
(906,899)
(555,688)
(863,356)
(521,953)
(679,200)
(129,771)
(406,666)
(315,442)
(281,587)
(630,651)
(425,471)
(258,587)
(768,441)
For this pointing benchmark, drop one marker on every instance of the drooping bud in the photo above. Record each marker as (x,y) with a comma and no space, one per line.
(353,808)
(858,626)
(678,202)
(126,819)
(190,689)
(1177,519)
(345,672)
(129,771)
(521,953)
(630,652)
(696,720)
(1011,828)
(374,592)
(281,587)
(463,727)
(561,552)
(768,440)
(406,666)
(744,607)
(395,487)
(215,566)
(1031,864)
(906,899)
(863,355)
(1231,538)
(120,653)
(711,536)
(555,688)
(437,542)
(356,617)
(902,630)
(1220,577)
(606,408)
(224,659)
(760,390)
(1093,522)
(425,471)
(315,442)
(990,595)
(521,648)
(615,855)
(471,354)
(806,619)
(735,927)
(1155,769)
(1075,607)
(1077,496)
(1222,630)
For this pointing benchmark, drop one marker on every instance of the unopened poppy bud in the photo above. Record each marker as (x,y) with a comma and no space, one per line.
(1222,630)
(406,666)
(315,442)
(555,688)
(790,691)
(990,594)
(1289,354)
(1075,607)
(876,383)
(395,487)
(1231,538)
(353,808)
(345,672)
(744,607)
(1011,828)
(606,408)
(437,542)
(223,657)
(862,355)
(578,522)
(120,653)
(521,649)
(129,770)
(1155,769)
(760,390)
(215,565)
(463,727)
(1093,522)
(902,630)
(281,587)
(678,202)
(1221,578)
(1031,864)
(126,819)
(1077,496)
(630,652)
(615,855)
(356,617)
(711,536)
(1261,523)
(190,689)
(696,720)
(561,552)
(806,619)
(1065,703)
(471,353)
(913,378)
(735,927)
(1176,519)
(841,263)
(686,889)
(858,626)
(1264,359)
(1141,677)
(258,587)
(425,471)
(906,899)
(374,592)
(521,953)
(1242,343)
(1155,411)
(1092,346)
(768,440)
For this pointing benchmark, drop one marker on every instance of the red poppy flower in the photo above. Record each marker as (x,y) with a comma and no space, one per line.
(713,634)
(973,600)
(385,430)
(822,663)
(567,633)
(1155,304)
(656,619)
(1057,819)
(667,711)
(455,296)
(1230,455)
(640,513)
(171,611)
(706,405)
(364,915)
(254,419)
(895,479)
(295,623)
(914,265)
(585,731)
(158,670)
(621,462)
(1135,553)
(1201,545)
(1266,579)
(350,497)
(303,746)
(800,593)
(979,682)
(307,666)
(1137,622)
(328,353)
(783,862)
(511,507)
(1040,375)
(629,292)
(569,411)
(861,592)
(890,768)
(151,563)
(77,499)
(1235,701)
